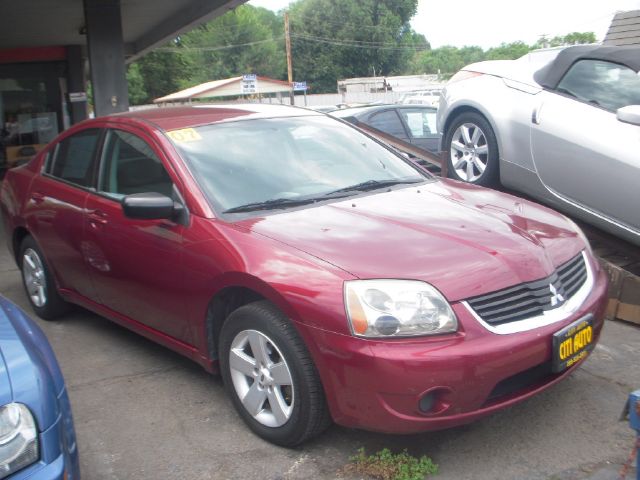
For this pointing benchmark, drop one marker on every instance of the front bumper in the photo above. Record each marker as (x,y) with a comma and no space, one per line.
(378,385)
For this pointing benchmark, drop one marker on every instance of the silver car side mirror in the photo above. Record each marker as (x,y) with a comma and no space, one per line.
(629,114)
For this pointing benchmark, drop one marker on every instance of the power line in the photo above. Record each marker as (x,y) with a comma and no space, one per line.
(359,44)
(186,49)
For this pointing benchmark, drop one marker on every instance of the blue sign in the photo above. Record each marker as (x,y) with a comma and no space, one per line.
(299,86)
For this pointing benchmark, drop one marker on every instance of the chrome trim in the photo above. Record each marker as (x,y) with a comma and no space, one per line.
(589,211)
(549,316)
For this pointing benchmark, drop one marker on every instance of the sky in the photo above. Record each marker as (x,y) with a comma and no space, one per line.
(488,23)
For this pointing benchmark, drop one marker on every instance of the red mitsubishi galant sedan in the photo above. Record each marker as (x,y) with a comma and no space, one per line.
(321,273)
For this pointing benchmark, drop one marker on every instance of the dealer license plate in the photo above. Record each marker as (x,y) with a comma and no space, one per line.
(573,343)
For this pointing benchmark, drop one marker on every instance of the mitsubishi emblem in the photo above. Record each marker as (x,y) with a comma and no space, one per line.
(556,297)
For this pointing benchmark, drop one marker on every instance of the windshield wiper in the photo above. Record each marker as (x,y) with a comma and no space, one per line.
(373,184)
(272,204)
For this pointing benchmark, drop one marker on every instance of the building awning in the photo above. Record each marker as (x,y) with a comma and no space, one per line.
(146,24)
(224,88)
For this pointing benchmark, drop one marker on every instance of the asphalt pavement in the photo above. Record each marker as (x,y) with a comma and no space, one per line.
(144,412)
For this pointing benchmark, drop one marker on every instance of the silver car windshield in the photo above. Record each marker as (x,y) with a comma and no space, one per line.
(288,161)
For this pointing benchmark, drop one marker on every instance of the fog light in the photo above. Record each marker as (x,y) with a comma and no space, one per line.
(427,402)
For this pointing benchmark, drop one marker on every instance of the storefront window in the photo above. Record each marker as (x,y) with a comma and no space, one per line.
(31,109)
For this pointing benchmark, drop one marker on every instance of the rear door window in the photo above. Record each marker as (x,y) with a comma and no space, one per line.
(74,159)
(421,122)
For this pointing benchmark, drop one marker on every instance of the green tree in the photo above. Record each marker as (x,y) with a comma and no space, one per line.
(573,38)
(508,51)
(244,40)
(164,72)
(137,92)
(350,38)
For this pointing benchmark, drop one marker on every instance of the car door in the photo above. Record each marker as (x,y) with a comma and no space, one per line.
(581,150)
(136,265)
(421,124)
(57,206)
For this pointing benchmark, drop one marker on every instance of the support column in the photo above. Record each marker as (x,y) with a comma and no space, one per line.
(106,56)
(76,83)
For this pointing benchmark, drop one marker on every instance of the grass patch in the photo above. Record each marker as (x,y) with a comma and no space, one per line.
(385,465)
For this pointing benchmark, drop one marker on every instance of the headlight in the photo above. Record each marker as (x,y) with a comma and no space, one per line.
(18,439)
(397,308)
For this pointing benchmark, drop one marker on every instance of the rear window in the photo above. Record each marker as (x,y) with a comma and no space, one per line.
(74,159)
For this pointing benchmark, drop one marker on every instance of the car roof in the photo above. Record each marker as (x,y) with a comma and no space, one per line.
(550,75)
(356,111)
(172,118)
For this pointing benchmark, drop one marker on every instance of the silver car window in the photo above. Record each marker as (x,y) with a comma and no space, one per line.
(604,84)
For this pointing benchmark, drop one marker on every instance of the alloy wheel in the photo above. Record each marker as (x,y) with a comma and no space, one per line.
(469,152)
(261,378)
(34,277)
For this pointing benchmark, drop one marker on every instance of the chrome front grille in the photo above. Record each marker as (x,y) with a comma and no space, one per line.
(531,299)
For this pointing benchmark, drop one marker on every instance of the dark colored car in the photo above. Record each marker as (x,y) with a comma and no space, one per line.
(324,275)
(37,437)
(415,124)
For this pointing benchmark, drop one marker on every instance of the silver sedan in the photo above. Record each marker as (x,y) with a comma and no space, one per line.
(561,125)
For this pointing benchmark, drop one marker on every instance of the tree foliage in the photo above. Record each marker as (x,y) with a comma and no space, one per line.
(351,38)
(245,40)
(331,40)
(573,38)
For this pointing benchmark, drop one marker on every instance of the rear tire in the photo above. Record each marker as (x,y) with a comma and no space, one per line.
(270,376)
(38,282)
(472,150)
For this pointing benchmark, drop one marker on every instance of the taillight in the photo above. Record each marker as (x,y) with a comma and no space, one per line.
(463,75)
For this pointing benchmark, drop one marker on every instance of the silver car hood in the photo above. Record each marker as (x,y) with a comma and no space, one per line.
(515,70)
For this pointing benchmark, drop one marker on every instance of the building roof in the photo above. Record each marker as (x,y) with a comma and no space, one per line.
(223,88)
(624,29)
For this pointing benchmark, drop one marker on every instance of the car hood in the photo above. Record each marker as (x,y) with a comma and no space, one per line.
(29,372)
(516,70)
(464,240)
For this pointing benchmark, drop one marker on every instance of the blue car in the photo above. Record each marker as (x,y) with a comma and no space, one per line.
(37,437)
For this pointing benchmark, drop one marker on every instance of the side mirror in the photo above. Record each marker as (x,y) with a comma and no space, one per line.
(148,206)
(629,114)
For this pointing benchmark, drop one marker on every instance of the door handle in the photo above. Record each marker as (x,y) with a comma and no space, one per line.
(37,197)
(98,217)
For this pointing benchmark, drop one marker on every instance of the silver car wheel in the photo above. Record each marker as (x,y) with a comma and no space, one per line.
(34,277)
(469,152)
(261,378)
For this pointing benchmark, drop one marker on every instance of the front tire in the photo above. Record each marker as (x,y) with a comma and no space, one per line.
(472,150)
(270,376)
(38,282)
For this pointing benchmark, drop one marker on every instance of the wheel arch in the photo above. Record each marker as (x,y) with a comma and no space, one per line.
(238,290)
(19,234)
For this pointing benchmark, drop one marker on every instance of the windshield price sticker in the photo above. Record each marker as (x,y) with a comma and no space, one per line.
(184,135)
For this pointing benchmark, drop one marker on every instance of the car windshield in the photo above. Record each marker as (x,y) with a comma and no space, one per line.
(280,162)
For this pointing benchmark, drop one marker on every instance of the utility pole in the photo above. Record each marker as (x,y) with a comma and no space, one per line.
(287,41)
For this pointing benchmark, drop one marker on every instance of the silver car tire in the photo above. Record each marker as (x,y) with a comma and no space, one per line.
(472,150)
(270,377)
